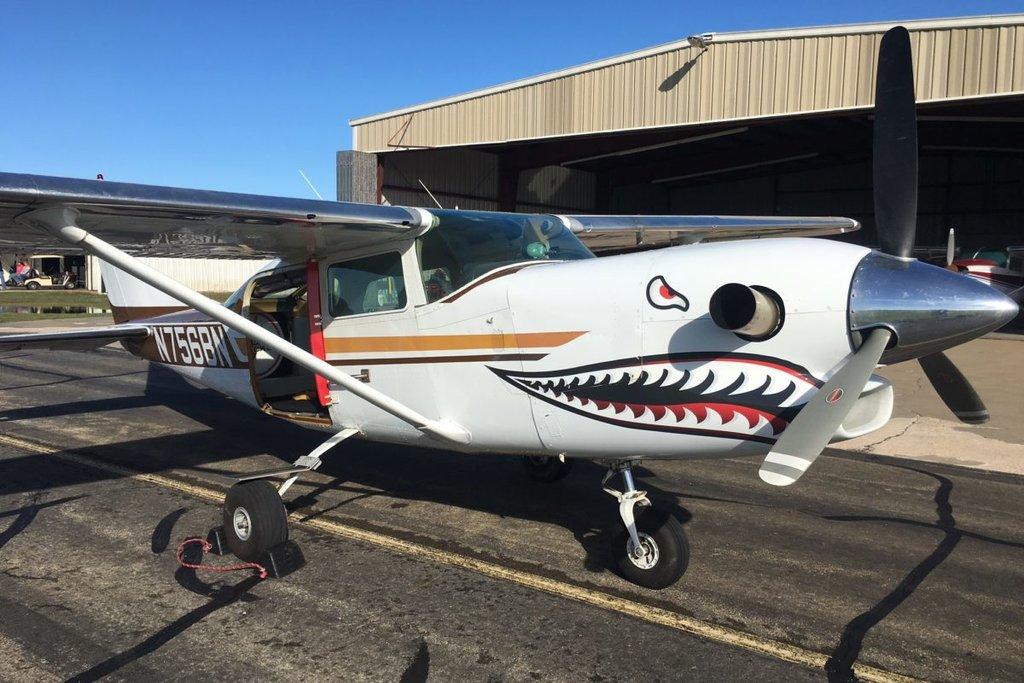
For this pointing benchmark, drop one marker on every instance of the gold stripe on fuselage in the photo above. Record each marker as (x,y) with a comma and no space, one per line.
(449,342)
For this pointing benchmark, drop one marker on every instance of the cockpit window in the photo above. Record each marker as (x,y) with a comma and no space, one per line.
(466,244)
(366,285)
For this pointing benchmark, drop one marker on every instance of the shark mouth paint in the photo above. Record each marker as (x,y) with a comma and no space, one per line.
(735,396)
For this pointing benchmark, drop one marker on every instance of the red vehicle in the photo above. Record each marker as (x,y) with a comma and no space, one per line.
(1002,269)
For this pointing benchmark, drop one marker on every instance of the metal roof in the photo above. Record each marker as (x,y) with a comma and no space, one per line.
(744,75)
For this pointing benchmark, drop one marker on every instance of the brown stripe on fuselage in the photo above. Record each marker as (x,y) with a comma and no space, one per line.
(413,360)
(487,278)
(124,314)
(450,342)
(163,314)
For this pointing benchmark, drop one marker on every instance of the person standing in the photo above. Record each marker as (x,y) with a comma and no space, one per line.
(3,277)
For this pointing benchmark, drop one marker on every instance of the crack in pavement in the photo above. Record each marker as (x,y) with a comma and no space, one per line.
(870,448)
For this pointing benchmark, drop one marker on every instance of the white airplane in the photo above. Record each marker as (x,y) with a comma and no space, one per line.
(500,333)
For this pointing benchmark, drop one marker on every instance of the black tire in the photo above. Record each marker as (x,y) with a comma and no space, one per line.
(268,520)
(70,285)
(32,285)
(673,550)
(546,469)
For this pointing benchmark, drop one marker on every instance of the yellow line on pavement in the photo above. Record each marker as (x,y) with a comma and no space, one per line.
(589,596)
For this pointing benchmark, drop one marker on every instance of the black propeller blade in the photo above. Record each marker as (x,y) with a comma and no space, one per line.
(954,389)
(894,170)
(895,145)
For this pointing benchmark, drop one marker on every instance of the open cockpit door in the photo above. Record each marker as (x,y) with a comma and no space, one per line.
(316,328)
(278,302)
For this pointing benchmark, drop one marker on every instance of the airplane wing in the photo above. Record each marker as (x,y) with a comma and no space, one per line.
(73,340)
(618,233)
(147,220)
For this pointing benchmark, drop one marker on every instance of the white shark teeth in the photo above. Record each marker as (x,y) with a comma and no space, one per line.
(722,380)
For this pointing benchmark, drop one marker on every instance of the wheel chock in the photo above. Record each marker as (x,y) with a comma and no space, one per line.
(216,540)
(280,561)
(283,559)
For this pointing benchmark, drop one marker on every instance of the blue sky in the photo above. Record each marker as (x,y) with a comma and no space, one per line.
(239,96)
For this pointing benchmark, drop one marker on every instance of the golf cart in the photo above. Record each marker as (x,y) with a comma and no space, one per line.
(57,276)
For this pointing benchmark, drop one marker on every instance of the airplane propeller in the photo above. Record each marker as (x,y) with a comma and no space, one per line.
(814,426)
(894,145)
(895,193)
(894,172)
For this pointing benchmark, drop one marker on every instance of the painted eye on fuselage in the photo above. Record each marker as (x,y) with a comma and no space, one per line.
(660,294)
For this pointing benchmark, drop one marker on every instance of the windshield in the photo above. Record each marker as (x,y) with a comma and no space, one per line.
(466,244)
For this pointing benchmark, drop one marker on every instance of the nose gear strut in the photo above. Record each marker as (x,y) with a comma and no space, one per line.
(650,548)
(628,499)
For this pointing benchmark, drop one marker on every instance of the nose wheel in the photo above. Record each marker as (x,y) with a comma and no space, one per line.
(649,547)
(254,519)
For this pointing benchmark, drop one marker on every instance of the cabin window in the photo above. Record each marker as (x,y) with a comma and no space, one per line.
(366,285)
(467,244)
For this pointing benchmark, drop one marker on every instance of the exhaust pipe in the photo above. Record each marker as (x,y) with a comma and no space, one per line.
(753,313)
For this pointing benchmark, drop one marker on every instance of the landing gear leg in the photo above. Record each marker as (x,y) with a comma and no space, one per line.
(255,519)
(650,547)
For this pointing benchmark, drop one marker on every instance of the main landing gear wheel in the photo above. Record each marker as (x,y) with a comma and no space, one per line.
(650,548)
(545,468)
(254,519)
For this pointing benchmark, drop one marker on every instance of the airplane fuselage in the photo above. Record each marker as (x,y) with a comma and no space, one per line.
(609,357)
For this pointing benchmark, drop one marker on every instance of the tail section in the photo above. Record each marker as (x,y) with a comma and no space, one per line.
(132,299)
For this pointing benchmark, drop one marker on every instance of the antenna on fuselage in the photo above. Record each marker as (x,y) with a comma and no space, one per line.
(427,189)
(308,182)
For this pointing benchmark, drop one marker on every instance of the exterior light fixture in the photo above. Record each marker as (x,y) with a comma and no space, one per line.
(701,40)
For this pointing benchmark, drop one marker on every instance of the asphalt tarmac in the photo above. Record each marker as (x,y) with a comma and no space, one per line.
(432,565)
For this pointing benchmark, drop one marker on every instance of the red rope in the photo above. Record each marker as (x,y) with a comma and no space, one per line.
(193,540)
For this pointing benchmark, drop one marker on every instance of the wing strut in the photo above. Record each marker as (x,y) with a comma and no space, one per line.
(61,221)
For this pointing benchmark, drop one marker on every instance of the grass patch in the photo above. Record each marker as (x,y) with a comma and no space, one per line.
(22,317)
(46,298)
(74,297)
(53,297)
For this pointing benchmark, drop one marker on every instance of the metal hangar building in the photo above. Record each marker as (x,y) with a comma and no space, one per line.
(763,122)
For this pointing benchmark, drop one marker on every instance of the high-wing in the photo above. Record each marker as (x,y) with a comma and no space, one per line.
(149,220)
(615,233)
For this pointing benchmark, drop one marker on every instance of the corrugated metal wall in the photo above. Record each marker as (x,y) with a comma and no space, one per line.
(555,188)
(737,79)
(463,178)
(207,275)
(469,180)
